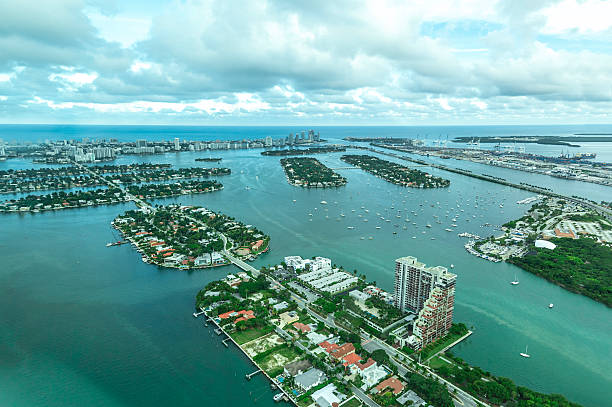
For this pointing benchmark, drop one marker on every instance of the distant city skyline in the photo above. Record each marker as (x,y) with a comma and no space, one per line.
(318,63)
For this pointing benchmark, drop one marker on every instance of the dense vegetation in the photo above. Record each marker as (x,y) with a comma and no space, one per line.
(214,159)
(579,265)
(61,200)
(430,390)
(395,173)
(310,173)
(497,390)
(177,188)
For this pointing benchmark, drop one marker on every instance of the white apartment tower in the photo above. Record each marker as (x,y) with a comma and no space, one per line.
(414,283)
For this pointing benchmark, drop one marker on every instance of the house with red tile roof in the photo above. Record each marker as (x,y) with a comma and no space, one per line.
(343,350)
(302,327)
(351,359)
(392,383)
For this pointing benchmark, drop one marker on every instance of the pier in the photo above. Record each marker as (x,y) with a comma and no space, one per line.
(248,376)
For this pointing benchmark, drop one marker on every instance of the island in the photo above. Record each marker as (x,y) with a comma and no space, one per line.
(395,173)
(22,183)
(310,173)
(212,159)
(187,237)
(305,151)
(105,196)
(72,171)
(560,240)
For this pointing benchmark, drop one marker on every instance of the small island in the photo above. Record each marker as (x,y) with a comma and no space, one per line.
(305,151)
(187,237)
(212,159)
(310,173)
(395,173)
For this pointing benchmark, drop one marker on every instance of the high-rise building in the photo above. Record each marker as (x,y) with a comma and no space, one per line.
(268,141)
(428,291)
(141,143)
(436,317)
(177,144)
(414,281)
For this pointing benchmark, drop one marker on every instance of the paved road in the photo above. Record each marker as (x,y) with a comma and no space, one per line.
(364,397)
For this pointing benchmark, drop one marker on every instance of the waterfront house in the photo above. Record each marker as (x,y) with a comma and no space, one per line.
(309,379)
(203,260)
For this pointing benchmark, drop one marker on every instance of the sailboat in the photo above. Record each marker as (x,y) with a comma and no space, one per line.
(515,281)
(525,355)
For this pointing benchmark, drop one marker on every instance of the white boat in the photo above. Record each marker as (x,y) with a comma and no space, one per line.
(428,225)
(551,305)
(350,227)
(525,355)
(515,281)
(278,397)
(452,266)
(377,227)
(323,202)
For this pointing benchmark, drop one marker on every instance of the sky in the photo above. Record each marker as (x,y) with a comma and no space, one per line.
(411,62)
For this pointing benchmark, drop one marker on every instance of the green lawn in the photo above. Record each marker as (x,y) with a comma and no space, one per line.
(246,336)
(436,363)
(278,358)
(441,343)
(354,402)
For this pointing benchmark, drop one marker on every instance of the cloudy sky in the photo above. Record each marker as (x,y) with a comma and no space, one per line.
(315,61)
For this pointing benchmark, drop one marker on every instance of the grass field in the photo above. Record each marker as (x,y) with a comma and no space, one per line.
(436,362)
(354,402)
(246,336)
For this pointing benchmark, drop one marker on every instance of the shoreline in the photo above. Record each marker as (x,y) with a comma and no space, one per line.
(209,319)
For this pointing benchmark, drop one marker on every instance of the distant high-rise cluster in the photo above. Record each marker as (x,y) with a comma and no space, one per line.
(429,292)
(302,138)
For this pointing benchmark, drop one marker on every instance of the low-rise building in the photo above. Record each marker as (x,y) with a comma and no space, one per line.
(298,367)
(309,379)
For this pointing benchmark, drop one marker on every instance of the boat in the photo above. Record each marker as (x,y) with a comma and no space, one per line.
(278,397)
(428,225)
(452,266)
(551,305)
(515,281)
(448,230)
(525,355)
(323,202)
(377,227)
(350,227)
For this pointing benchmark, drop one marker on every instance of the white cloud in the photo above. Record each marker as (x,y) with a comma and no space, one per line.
(587,16)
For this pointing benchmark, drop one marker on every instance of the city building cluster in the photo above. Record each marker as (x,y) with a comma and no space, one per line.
(88,150)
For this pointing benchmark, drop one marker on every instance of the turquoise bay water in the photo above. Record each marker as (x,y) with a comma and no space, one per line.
(83,324)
